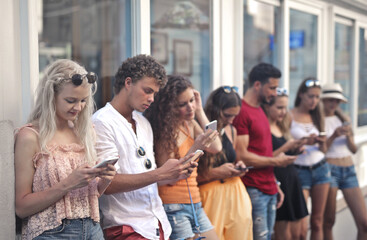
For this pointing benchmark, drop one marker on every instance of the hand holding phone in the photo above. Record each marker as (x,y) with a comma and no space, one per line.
(212,125)
(104,163)
(322,134)
(196,156)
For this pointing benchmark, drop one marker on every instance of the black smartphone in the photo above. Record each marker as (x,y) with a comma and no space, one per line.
(244,169)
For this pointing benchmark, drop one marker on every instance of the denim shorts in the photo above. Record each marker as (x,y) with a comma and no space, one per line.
(311,177)
(182,220)
(263,213)
(343,177)
(82,228)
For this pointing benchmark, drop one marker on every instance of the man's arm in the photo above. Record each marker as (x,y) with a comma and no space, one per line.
(252,159)
(171,170)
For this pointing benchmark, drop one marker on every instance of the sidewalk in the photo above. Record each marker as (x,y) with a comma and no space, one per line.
(345,227)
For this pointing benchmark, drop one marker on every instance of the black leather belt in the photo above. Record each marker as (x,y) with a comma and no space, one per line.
(322,162)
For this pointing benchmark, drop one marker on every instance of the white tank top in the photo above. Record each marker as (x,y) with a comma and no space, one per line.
(338,148)
(312,153)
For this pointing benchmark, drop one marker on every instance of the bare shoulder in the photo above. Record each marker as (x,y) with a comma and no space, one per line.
(26,140)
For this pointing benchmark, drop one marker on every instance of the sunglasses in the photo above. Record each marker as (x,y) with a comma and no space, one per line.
(77,79)
(312,83)
(282,92)
(228,89)
(141,153)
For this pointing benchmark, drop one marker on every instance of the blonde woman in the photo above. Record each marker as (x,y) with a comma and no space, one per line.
(56,190)
(294,208)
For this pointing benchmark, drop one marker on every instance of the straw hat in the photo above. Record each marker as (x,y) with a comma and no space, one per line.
(333,90)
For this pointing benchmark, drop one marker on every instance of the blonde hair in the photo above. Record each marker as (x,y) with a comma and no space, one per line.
(284,125)
(43,115)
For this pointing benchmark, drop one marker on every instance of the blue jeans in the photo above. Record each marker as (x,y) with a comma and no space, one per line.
(182,220)
(263,213)
(311,177)
(343,177)
(74,229)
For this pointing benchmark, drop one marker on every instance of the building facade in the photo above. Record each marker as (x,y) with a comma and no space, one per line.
(213,42)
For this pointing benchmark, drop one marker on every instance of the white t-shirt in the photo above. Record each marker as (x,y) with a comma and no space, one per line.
(142,208)
(312,153)
(339,147)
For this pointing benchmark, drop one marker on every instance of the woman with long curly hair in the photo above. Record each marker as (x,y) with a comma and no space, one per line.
(56,190)
(221,188)
(177,133)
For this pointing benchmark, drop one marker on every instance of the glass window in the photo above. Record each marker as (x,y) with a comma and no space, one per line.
(343,60)
(94,33)
(362,85)
(180,39)
(302,49)
(260,34)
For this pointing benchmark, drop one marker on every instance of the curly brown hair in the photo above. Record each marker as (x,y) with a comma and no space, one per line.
(138,67)
(163,114)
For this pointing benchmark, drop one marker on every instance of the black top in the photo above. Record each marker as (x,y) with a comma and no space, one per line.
(228,150)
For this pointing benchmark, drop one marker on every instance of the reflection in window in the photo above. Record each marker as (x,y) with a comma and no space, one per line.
(302,49)
(180,39)
(362,85)
(343,60)
(260,34)
(94,33)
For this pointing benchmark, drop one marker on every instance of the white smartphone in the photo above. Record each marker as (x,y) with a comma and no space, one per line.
(110,160)
(321,134)
(212,125)
(196,156)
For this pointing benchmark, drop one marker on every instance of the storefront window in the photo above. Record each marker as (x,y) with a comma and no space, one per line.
(302,49)
(260,34)
(94,33)
(362,85)
(180,39)
(343,59)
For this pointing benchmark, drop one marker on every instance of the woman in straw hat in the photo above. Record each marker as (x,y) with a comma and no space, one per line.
(341,146)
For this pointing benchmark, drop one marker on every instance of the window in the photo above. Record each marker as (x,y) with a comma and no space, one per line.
(260,34)
(180,39)
(343,60)
(362,84)
(302,49)
(93,33)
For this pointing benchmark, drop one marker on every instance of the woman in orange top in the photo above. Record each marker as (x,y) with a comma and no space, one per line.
(177,133)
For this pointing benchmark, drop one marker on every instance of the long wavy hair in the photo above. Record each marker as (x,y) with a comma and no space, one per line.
(218,101)
(317,114)
(43,115)
(163,114)
(283,125)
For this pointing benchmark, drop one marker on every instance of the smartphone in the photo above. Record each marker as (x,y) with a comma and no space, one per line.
(321,134)
(110,160)
(346,123)
(196,156)
(245,168)
(212,125)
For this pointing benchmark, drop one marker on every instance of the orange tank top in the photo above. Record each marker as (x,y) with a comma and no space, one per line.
(178,193)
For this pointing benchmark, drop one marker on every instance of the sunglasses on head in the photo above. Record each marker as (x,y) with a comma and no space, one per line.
(312,83)
(282,92)
(228,89)
(77,79)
